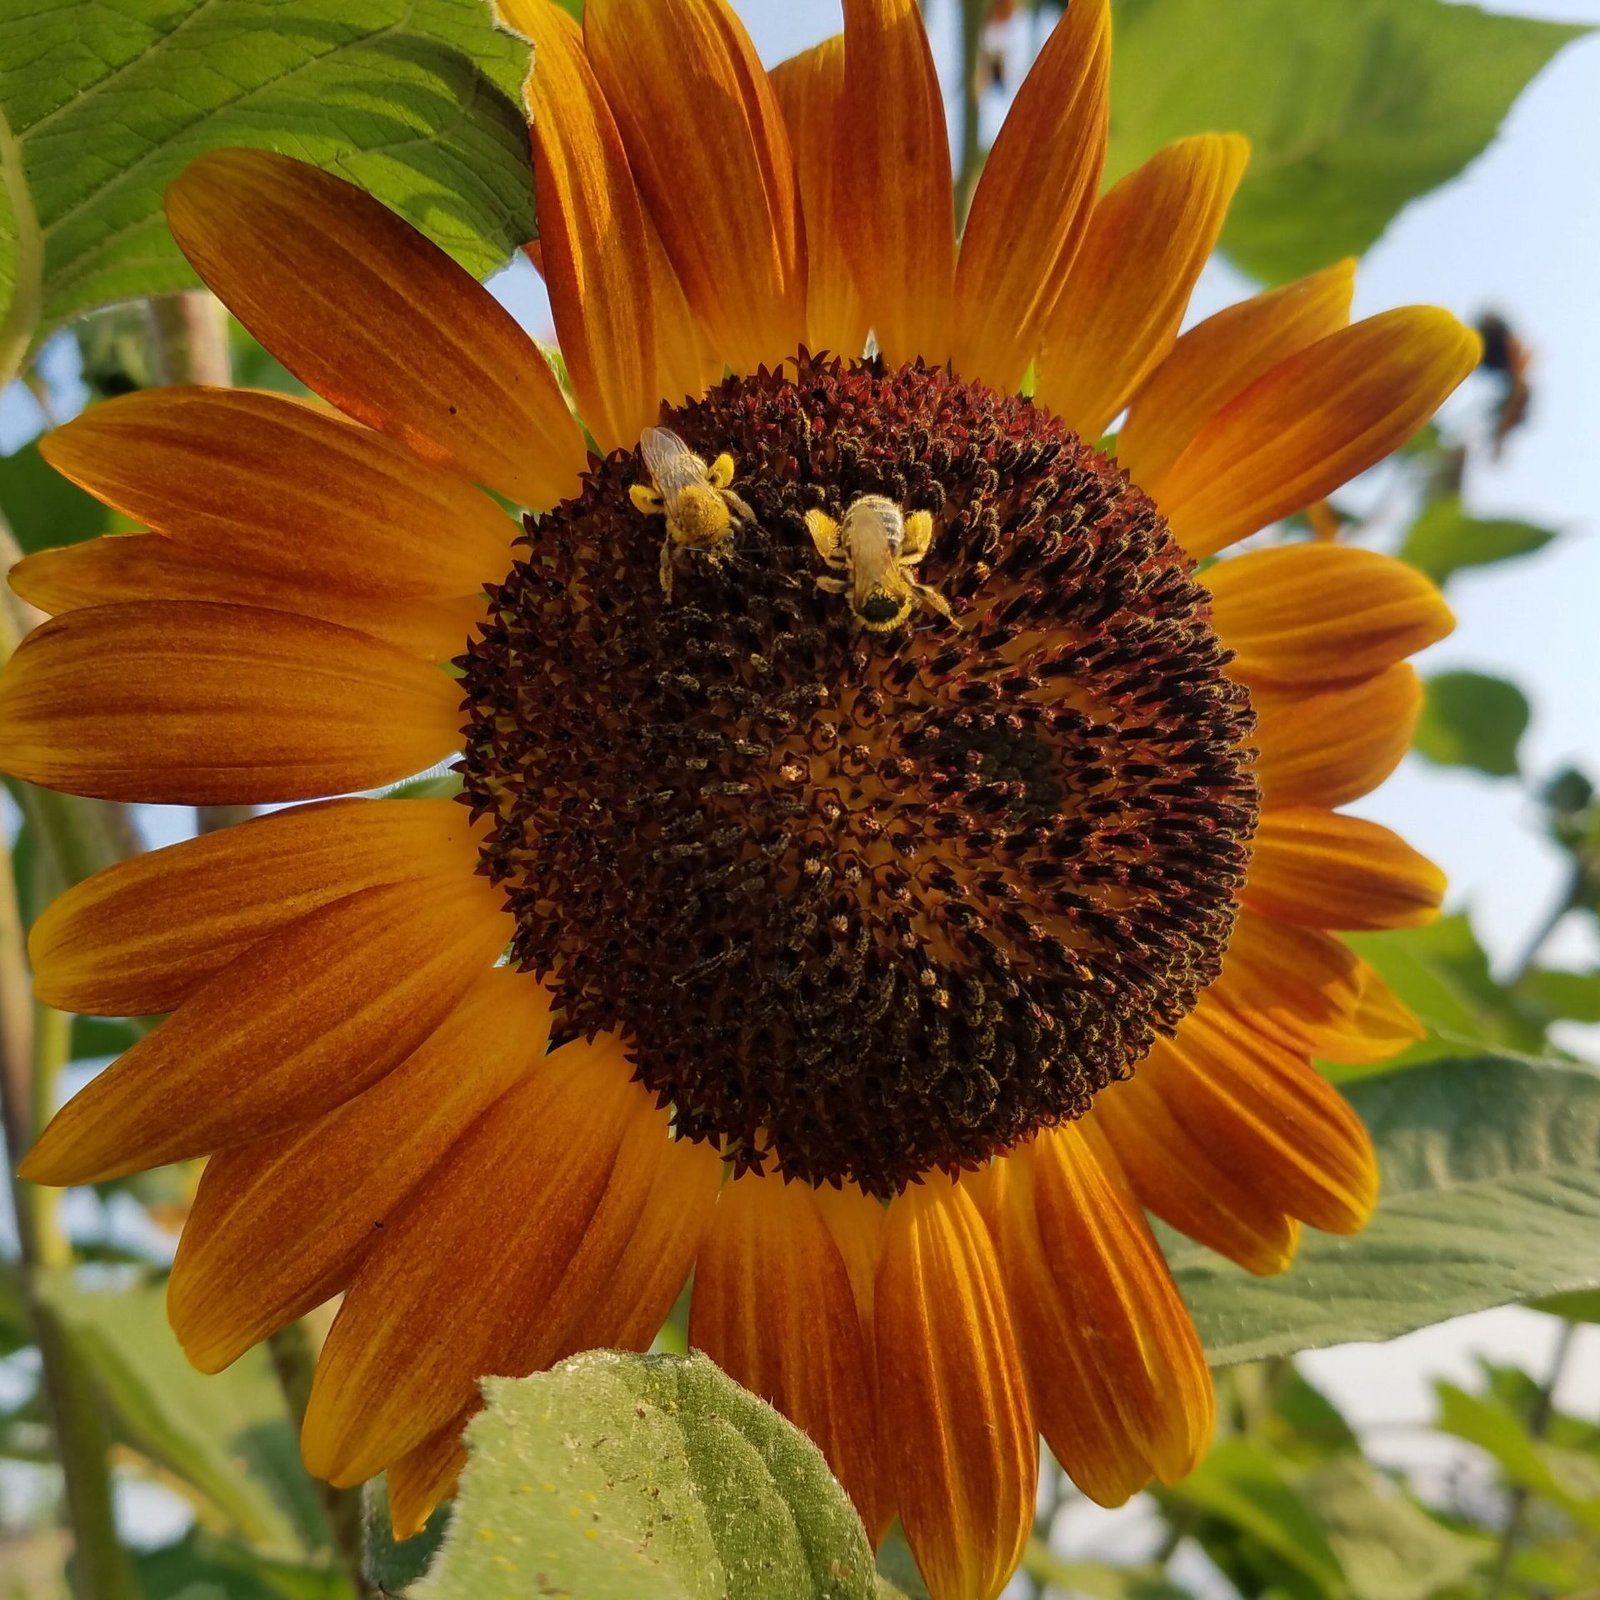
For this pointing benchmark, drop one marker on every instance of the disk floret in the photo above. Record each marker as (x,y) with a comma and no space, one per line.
(866,904)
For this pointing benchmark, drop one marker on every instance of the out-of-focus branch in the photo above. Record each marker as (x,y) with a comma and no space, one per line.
(974,14)
(189,335)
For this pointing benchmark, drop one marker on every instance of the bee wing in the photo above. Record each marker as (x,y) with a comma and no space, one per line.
(670,462)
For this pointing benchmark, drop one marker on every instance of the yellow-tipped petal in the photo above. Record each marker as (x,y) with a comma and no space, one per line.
(1032,205)
(188,704)
(892,197)
(1326,870)
(377,319)
(1118,311)
(1309,614)
(1312,423)
(961,1446)
(810,90)
(707,145)
(1223,355)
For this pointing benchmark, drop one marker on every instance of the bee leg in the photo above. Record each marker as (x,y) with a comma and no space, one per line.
(933,600)
(824,533)
(666,566)
(720,472)
(738,505)
(647,498)
(833,585)
(919,535)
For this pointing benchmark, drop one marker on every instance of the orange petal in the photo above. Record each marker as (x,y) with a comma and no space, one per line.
(773,1307)
(173,702)
(1223,355)
(1328,748)
(150,566)
(857,1221)
(1178,1179)
(1309,614)
(1267,1115)
(296,1026)
(893,206)
(1119,1382)
(647,1278)
(1296,985)
(1032,205)
(283,488)
(595,252)
(426,1474)
(280,1224)
(1327,870)
(143,935)
(810,92)
(1118,312)
(378,320)
(1380,1026)
(707,145)
(495,1230)
(1313,422)
(960,1442)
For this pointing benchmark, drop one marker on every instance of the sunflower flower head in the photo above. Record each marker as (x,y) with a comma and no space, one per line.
(886,866)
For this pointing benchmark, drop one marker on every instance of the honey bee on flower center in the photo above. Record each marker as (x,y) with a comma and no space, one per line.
(876,546)
(697,501)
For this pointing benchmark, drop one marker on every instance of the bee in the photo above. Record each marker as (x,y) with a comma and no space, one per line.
(696,500)
(876,545)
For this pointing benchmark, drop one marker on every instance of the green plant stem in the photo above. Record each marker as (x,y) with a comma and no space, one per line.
(294,1362)
(1570,898)
(1538,1427)
(974,14)
(34,1045)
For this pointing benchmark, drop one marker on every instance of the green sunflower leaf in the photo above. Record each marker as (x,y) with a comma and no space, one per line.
(1351,109)
(616,1476)
(1444,540)
(1472,720)
(101,106)
(1491,1194)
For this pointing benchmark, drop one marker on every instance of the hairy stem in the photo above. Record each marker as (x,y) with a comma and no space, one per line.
(294,1361)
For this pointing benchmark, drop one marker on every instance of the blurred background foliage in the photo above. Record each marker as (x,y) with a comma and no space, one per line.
(1489,1127)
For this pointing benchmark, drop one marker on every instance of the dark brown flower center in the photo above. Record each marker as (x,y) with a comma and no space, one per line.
(865,904)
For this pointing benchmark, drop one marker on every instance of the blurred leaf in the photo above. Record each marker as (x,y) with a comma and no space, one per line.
(1472,720)
(1444,539)
(1571,996)
(418,101)
(1092,1580)
(1244,1486)
(43,508)
(1388,1545)
(1442,973)
(256,368)
(897,1570)
(201,1563)
(227,1434)
(1569,1479)
(616,1476)
(1583,1305)
(1306,1424)
(393,1565)
(101,1036)
(1351,109)
(1491,1194)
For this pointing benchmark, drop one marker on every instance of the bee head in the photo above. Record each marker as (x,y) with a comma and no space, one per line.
(882,612)
(699,516)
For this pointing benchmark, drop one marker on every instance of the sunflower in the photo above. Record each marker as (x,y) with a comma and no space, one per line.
(880,978)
